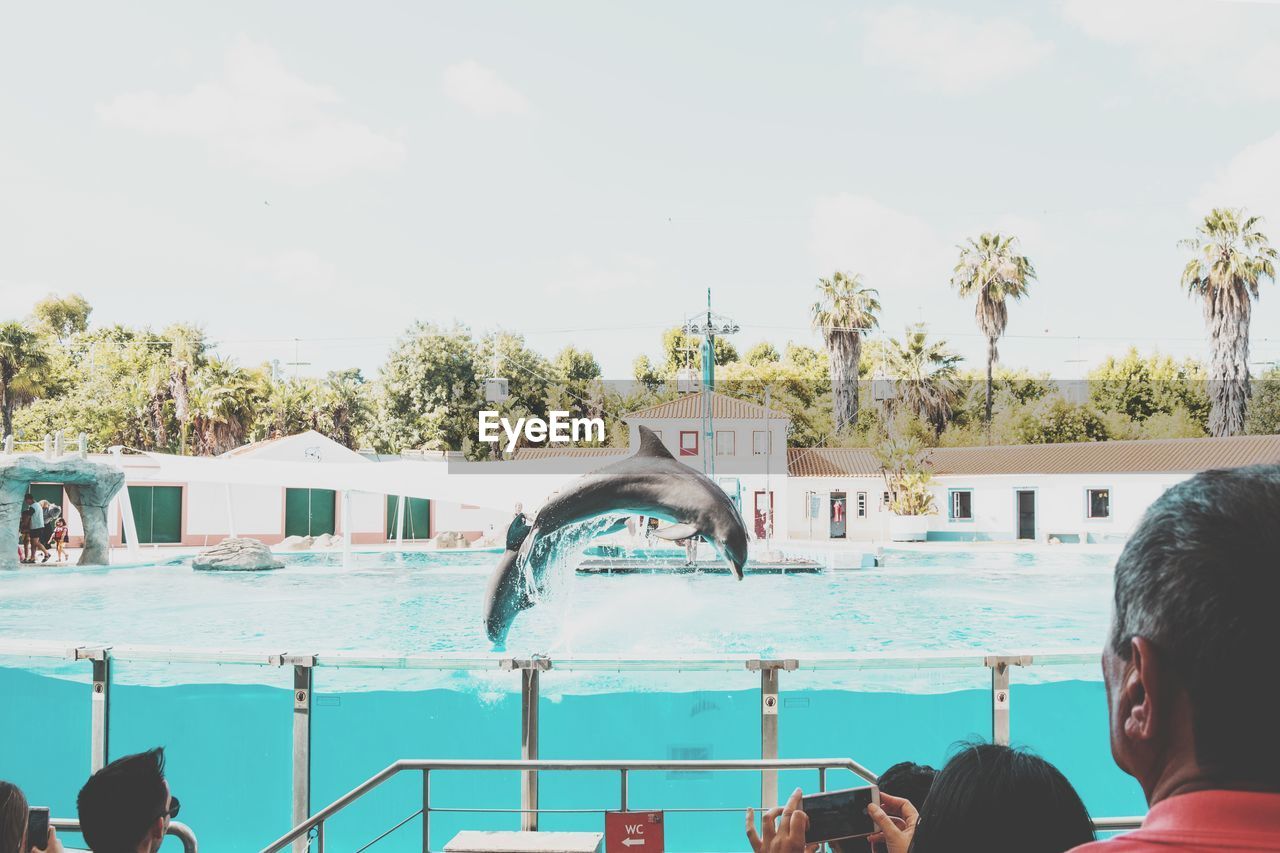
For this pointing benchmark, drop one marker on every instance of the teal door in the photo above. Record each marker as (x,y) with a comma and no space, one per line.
(309,512)
(157,512)
(417,518)
(51,492)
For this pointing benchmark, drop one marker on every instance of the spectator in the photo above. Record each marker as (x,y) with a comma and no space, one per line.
(60,535)
(52,512)
(988,798)
(1190,664)
(126,806)
(909,781)
(13,825)
(33,524)
(905,779)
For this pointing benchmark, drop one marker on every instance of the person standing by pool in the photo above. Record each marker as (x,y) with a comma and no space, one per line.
(33,523)
(52,512)
(1190,665)
(60,532)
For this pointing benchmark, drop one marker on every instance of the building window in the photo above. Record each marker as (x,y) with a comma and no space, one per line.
(884,501)
(962,505)
(862,504)
(761,442)
(688,443)
(726,442)
(1098,503)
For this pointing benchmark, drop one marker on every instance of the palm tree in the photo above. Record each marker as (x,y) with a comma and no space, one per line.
(185,345)
(925,376)
(1230,257)
(22,360)
(224,401)
(845,309)
(991,269)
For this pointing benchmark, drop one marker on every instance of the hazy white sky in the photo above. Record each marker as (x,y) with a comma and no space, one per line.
(582,171)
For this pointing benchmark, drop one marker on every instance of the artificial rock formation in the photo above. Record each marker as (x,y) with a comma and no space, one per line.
(90,486)
(236,555)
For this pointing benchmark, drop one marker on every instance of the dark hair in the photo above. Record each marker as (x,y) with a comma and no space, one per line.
(1001,800)
(13,819)
(909,780)
(1199,579)
(121,801)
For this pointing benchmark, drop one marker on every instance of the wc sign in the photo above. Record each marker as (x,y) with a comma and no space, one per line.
(633,832)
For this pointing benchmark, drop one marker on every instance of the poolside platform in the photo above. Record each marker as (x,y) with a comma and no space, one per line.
(677,566)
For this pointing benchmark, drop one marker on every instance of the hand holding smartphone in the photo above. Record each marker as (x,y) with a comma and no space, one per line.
(836,815)
(37,827)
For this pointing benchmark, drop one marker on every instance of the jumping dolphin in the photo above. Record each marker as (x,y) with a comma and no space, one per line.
(649,482)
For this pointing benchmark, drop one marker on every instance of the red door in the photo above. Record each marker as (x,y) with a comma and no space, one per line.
(764,514)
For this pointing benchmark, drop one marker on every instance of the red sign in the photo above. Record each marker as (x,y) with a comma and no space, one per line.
(633,832)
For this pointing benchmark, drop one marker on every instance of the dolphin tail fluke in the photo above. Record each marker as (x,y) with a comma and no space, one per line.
(673,532)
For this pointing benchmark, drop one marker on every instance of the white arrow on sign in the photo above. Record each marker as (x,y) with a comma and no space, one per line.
(632,842)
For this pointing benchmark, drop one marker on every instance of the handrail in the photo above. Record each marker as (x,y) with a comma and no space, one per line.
(405,764)
(177,829)
(827,661)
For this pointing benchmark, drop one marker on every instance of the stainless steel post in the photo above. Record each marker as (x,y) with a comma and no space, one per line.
(769,703)
(426,810)
(99,705)
(626,795)
(529,683)
(1001,710)
(303,669)
(530,678)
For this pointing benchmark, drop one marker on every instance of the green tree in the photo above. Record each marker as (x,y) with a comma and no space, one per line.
(991,270)
(1057,421)
(763,353)
(924,375)
(1264,407)
(1140,387)
(23,360)
(62,316)
(430,391)
(1230,257)
(224,402)
(845,309)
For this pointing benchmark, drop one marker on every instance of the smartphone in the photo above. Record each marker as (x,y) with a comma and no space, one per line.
(836,815)
(37,827)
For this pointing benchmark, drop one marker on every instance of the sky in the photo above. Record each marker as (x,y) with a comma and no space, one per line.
(304,180)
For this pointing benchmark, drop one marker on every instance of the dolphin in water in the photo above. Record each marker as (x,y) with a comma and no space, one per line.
(649,482)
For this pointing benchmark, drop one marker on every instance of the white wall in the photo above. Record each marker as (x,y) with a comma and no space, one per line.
(873,526)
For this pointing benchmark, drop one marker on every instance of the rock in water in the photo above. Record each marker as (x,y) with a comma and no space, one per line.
(236,555)
(451,539)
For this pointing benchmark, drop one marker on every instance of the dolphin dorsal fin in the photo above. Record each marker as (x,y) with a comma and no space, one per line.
(651,445)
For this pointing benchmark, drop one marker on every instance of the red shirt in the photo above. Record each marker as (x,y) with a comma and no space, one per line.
(1202,821)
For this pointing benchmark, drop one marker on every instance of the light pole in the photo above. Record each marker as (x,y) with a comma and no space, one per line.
(710,326)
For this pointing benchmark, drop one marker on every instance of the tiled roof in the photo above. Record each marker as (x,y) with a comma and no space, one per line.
(525,453)
(689,406)
(831,462)
(1180,455)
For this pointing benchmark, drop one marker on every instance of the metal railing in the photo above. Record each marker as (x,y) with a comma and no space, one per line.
(178,830)
(624,768)
(770,672)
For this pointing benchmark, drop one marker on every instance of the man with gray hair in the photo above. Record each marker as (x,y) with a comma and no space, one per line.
(1192,666)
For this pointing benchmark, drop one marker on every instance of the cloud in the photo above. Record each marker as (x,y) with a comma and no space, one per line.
(585,276)
(261,116)
(949,52)
(1225,51)
(299,271)
(482,91)
(1250,179)
(892,250)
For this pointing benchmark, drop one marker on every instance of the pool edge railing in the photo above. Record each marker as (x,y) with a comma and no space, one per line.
(102,656)
(302,833)
(177,829)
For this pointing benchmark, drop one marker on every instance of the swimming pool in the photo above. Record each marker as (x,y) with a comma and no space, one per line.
(227,728)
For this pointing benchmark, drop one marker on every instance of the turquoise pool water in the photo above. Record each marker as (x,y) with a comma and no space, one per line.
(227,728)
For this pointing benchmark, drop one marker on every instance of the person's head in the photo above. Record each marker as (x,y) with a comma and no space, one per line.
(126,806)
(61,522)
(1001,800)
(29,499)
(1188,664)
(44,504)
(13,819)
(908,780)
